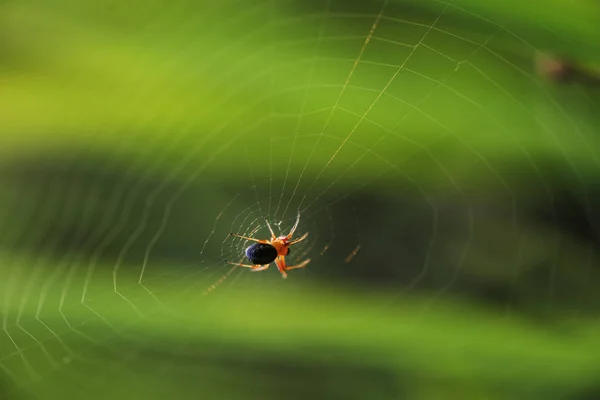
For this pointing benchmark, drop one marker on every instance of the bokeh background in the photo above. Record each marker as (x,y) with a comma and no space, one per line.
(443,157)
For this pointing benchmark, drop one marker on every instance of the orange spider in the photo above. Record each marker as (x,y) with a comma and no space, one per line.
(262,253)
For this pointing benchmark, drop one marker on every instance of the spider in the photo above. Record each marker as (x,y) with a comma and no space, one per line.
(262,253)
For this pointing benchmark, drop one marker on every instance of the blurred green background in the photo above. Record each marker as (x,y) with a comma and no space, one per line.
(443,157)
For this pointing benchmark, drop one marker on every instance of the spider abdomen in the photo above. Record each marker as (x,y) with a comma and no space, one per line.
(261,253)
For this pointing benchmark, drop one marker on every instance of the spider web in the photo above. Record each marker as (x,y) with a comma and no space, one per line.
(414,149)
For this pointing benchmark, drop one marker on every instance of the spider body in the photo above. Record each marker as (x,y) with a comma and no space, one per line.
(262,253)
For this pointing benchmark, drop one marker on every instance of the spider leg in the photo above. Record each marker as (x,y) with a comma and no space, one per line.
(299,239)
(270,229)
(280,261)
(257,267)
(260,268)
(241,265)
(289,235)
(301,265)
(249,238)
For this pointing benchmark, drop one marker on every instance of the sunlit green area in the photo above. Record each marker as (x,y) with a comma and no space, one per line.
(442,156)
